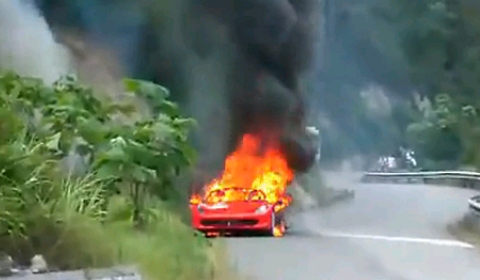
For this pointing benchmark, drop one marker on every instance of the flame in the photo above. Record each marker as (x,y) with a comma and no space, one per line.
(195,199)
(246,168)
(279,230)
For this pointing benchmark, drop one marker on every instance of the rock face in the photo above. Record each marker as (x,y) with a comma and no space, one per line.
(39,264)
(78,275)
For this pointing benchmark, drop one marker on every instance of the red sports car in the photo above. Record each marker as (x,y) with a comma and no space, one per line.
(239,210)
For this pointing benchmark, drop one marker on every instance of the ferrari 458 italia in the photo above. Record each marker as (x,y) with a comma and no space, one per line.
(239,210)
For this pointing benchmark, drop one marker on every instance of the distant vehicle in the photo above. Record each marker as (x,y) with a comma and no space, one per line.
(403,160)
(408,159)
(229,211)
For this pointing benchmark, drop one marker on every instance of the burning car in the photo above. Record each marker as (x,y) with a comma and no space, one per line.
(238,210)
(250,195)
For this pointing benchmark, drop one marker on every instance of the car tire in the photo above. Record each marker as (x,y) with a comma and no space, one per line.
(272,224)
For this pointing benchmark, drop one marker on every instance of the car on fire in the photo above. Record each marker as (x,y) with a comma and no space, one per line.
(233,210)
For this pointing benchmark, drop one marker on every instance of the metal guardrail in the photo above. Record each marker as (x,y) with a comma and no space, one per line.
(474,204)
(466,179)
(469,175)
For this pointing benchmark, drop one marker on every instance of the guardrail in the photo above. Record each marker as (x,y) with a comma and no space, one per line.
(465,179)
(428,174)
(474,204)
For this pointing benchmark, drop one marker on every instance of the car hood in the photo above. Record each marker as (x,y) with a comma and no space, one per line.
(232,207)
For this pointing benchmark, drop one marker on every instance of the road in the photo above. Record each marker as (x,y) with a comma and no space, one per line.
(388,232)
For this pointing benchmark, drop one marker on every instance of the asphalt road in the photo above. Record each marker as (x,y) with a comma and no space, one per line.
(388,232)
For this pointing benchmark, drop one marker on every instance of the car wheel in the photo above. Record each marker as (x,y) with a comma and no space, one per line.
(272,224)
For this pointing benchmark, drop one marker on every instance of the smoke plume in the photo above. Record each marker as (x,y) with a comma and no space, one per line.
(273,47)
(242,77)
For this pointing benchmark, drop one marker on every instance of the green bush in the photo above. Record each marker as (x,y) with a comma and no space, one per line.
(448,136)
(112,207)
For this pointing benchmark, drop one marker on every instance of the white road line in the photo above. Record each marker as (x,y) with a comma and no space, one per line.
(437,242)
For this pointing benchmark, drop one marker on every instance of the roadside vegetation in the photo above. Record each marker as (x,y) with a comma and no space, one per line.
(91,183)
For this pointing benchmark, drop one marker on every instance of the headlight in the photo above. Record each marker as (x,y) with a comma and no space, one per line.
(199,208)
(262,209)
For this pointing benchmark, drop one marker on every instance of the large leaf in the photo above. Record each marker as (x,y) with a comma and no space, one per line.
(53,142)
(146,89)
(92,130)
(113,154)
(142,174)
(167,107)
(109,170)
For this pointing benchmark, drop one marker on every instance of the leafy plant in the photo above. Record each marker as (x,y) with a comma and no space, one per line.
(146,156)
(44,209)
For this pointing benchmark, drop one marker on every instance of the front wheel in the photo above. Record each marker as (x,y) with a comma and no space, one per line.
(278,225)
(272,230)
(272,224)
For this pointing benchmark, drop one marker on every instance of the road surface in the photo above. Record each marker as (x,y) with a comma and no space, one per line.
(388,232)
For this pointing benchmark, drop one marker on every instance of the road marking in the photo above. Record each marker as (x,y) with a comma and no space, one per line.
(437,242)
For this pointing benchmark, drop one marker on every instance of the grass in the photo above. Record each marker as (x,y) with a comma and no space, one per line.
(67,223)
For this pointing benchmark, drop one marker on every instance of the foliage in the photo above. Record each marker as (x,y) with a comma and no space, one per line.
(448,133)
(426,46)
(79,217)
(439,43)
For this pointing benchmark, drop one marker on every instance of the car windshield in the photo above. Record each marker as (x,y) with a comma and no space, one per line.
(234,195)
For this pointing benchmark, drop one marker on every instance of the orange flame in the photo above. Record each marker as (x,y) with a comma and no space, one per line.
(246,168)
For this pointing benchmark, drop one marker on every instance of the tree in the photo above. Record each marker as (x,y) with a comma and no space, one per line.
(149,154)
(439,42)
(450,133)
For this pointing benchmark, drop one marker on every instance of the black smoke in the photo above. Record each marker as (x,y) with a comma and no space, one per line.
(272,48)
(274,42)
